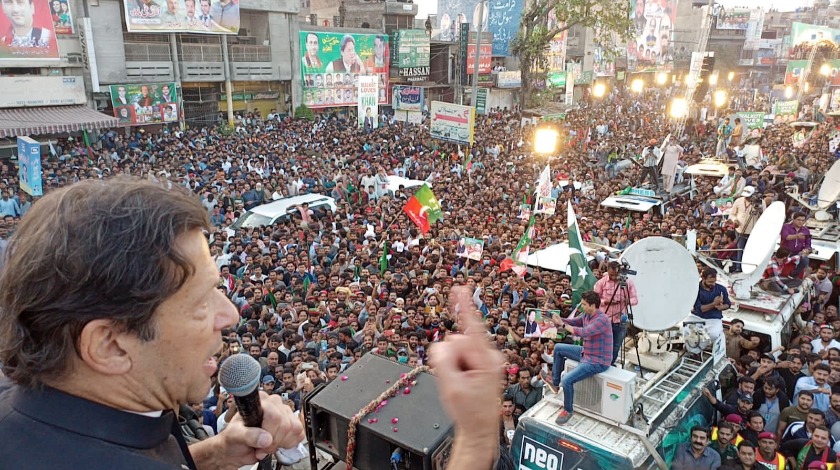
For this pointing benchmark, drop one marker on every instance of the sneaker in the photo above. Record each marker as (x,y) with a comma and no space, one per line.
(563,417)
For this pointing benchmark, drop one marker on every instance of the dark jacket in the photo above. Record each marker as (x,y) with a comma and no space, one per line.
(50,429)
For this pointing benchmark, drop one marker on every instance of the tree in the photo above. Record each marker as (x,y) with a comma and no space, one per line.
(542,20)
(303,112)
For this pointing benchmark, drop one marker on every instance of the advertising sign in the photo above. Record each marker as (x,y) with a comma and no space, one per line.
(602,65)
(415,74)
(500,17)
(485,60)
(734,18)
(412,47)
(481,96)
(766,57)
(29,166)
(785,111)
(28,90)
(509,79)
(810,34)
(572,74)
(651,49)
(411,117)
(31,35)
(62,16)
(556,54)
(333,62)
(795,69)
(368,111)
(537,456)
(752,119)
(452,122)
(752,38)
(408,98)
(149,103)
(184,16)
(556,79)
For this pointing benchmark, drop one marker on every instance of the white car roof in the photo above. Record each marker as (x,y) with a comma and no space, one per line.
(281,206)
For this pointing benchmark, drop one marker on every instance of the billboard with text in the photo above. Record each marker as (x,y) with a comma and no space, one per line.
(332,63)
(27,31)
(452,122)
(182,16)
(502,18)
(734,18)
(408,98)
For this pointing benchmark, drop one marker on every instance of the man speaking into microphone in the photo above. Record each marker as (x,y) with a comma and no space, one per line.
(110,318)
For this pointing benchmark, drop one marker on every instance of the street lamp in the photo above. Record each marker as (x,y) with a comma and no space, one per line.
(825,69)
(807,87)
(713,79)
(662,78)
(679,108)
(731,76)
(789,92)
(599,90)
(637,85)
(720,98)
(545,140)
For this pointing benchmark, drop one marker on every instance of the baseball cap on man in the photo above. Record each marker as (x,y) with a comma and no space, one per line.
(748,191)
(745,397)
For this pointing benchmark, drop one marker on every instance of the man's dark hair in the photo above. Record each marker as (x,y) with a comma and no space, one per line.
(709,272)
(737,320)
(592,298)
(99,249)
(700,428)
(746,444)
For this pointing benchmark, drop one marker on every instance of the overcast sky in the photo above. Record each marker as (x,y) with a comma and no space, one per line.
(427,7)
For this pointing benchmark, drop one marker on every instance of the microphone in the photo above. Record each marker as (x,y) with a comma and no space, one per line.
(240,376)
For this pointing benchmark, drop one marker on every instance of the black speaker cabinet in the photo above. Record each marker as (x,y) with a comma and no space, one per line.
(422,430)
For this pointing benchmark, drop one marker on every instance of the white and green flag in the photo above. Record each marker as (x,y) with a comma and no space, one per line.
(582,277)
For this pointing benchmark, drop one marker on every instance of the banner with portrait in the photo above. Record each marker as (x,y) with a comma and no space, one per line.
(148,103)
(368,111)
(470,248)
(802,34)
(29,166)
(785,111)
(182,16)
(651,49)
(408,98)
(734,18)
(331,64)
(27,31)
(502,18)
(62,16)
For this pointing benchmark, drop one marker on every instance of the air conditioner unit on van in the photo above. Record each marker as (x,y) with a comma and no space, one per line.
(608,394)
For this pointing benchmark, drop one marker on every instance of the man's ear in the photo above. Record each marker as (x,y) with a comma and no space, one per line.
(103,347)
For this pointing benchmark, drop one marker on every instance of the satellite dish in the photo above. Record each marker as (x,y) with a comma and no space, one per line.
(830,187)
(759,249)
(822,216)
(666,282)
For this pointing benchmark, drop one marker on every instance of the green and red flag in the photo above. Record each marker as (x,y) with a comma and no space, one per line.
(423,208)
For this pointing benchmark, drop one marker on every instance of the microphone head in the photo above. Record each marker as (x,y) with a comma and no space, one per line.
(240,374)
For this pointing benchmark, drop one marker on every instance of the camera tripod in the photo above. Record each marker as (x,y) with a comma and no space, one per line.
(622,353)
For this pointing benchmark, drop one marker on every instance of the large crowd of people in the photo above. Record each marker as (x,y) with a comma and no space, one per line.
(314,294)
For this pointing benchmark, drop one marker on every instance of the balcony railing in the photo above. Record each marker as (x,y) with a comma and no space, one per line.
(147,52)
(250,53)
(201,53)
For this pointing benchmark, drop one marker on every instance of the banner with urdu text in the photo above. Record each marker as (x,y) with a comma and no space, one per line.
(182,16)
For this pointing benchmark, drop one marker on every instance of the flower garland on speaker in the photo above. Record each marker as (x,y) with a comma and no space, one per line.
(377,405)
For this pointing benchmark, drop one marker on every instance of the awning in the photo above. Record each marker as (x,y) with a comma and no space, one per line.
(52,120)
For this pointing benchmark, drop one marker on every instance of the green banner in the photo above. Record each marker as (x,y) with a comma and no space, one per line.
(412,48)
(752,119)
(585,78)
(556,79)
(148,103)
(253,95)
(481,100)
(331,64)
(786,108)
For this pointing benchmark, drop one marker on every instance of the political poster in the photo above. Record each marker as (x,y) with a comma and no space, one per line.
(411,117)
(27,31)
(752,37)
(795,69)
(510,79)
(734,18)
(332,63)
(452,122)
(470,248)
(147,103)
(500,17)
(408,98)
(651,49)
(182,16)
(62,16)
(546,205)
(802,34)
(785,111)
(751,119)
(368,111)
(29,166)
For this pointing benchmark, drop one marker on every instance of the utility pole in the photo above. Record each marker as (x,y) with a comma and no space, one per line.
(477,53)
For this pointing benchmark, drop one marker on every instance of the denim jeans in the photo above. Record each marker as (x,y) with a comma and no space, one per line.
(619,331)
(581,372)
